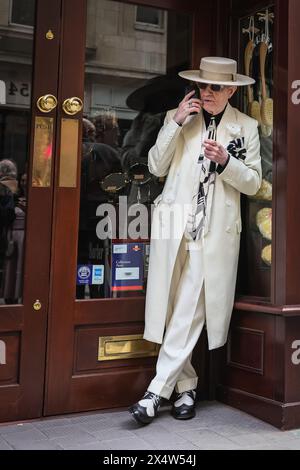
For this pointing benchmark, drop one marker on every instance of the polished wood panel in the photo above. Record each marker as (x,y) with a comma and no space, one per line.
(255,357)
(9,370)
(87,345)
(106,311)
(66,214)
(241,341)
(23,328)
(273,395)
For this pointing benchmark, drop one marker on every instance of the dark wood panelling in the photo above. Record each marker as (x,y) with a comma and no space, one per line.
(253,352)
(279,359)
(109,311)
(86,349)
(9,403)
(9,370)
(11,318)
(246,350)
(99,391)
(66,214)
(39,221)
(221,27)
(292,160)
(25,328)
(280,153)
(274,395)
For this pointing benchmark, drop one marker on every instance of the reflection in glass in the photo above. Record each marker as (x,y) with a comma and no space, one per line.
(22,13)
(42,152)
(256,40)
(15,90)
(131,81)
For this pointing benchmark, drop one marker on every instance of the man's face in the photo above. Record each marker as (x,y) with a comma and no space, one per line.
(215,101)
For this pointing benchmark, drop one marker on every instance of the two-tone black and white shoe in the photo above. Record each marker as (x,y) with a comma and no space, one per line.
(184,405)
(146,409)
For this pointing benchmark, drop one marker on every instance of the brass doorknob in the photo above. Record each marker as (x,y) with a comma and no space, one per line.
(72,106)
(37,305)
(47,103)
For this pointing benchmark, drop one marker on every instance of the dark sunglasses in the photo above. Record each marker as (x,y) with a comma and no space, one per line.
(213,87)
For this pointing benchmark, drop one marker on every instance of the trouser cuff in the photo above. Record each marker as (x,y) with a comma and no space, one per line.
(185,385)
(160,388)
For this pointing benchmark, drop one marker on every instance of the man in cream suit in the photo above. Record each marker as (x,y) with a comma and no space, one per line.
(210,158)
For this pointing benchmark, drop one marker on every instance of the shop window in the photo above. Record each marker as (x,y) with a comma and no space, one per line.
(22,13)
(256,47)
(150,19)
(122,118)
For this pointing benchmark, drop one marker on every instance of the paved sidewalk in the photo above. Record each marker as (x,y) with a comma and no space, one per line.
(216,426)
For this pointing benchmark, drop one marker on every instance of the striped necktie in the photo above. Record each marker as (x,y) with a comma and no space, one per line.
(206,186)
(212,135)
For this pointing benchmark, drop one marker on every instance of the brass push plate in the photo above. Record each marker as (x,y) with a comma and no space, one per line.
(42,152)
(125,347)
(68,153)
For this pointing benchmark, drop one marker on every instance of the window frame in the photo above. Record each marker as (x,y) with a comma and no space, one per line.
(13,23)
(151,27)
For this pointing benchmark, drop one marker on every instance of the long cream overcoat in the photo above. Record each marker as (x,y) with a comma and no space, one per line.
(175,154)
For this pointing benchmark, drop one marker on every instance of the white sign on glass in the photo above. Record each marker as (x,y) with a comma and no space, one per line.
(2,92)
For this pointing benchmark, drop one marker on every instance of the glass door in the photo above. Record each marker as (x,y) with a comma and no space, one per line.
(119,76)
(29,52)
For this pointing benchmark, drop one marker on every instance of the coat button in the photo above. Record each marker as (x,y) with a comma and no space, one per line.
(228,229)
(168,200)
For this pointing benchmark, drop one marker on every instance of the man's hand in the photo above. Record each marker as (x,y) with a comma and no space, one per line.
(215,152)
(187,106)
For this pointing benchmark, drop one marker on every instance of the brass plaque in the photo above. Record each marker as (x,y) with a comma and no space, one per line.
(42,152)
(122,347)
(68,153)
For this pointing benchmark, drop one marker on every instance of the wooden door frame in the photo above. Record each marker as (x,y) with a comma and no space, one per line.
(24,398)
(272,394)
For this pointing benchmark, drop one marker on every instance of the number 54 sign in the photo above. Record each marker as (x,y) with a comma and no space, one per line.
(15,93)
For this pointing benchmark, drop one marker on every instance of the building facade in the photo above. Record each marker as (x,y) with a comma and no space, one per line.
(84,89)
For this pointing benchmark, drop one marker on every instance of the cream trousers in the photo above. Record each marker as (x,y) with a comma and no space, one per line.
(184,325)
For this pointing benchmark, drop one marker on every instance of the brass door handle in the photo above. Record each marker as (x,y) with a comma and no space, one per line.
(72,106)
(37,305)
(46,103)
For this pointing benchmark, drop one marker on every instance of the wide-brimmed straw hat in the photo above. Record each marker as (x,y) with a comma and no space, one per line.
(217,71)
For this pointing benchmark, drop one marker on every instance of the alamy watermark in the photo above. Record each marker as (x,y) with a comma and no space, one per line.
(296,354)
(296,93)
(137,221)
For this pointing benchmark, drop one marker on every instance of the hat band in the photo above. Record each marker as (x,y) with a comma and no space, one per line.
(222,77)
